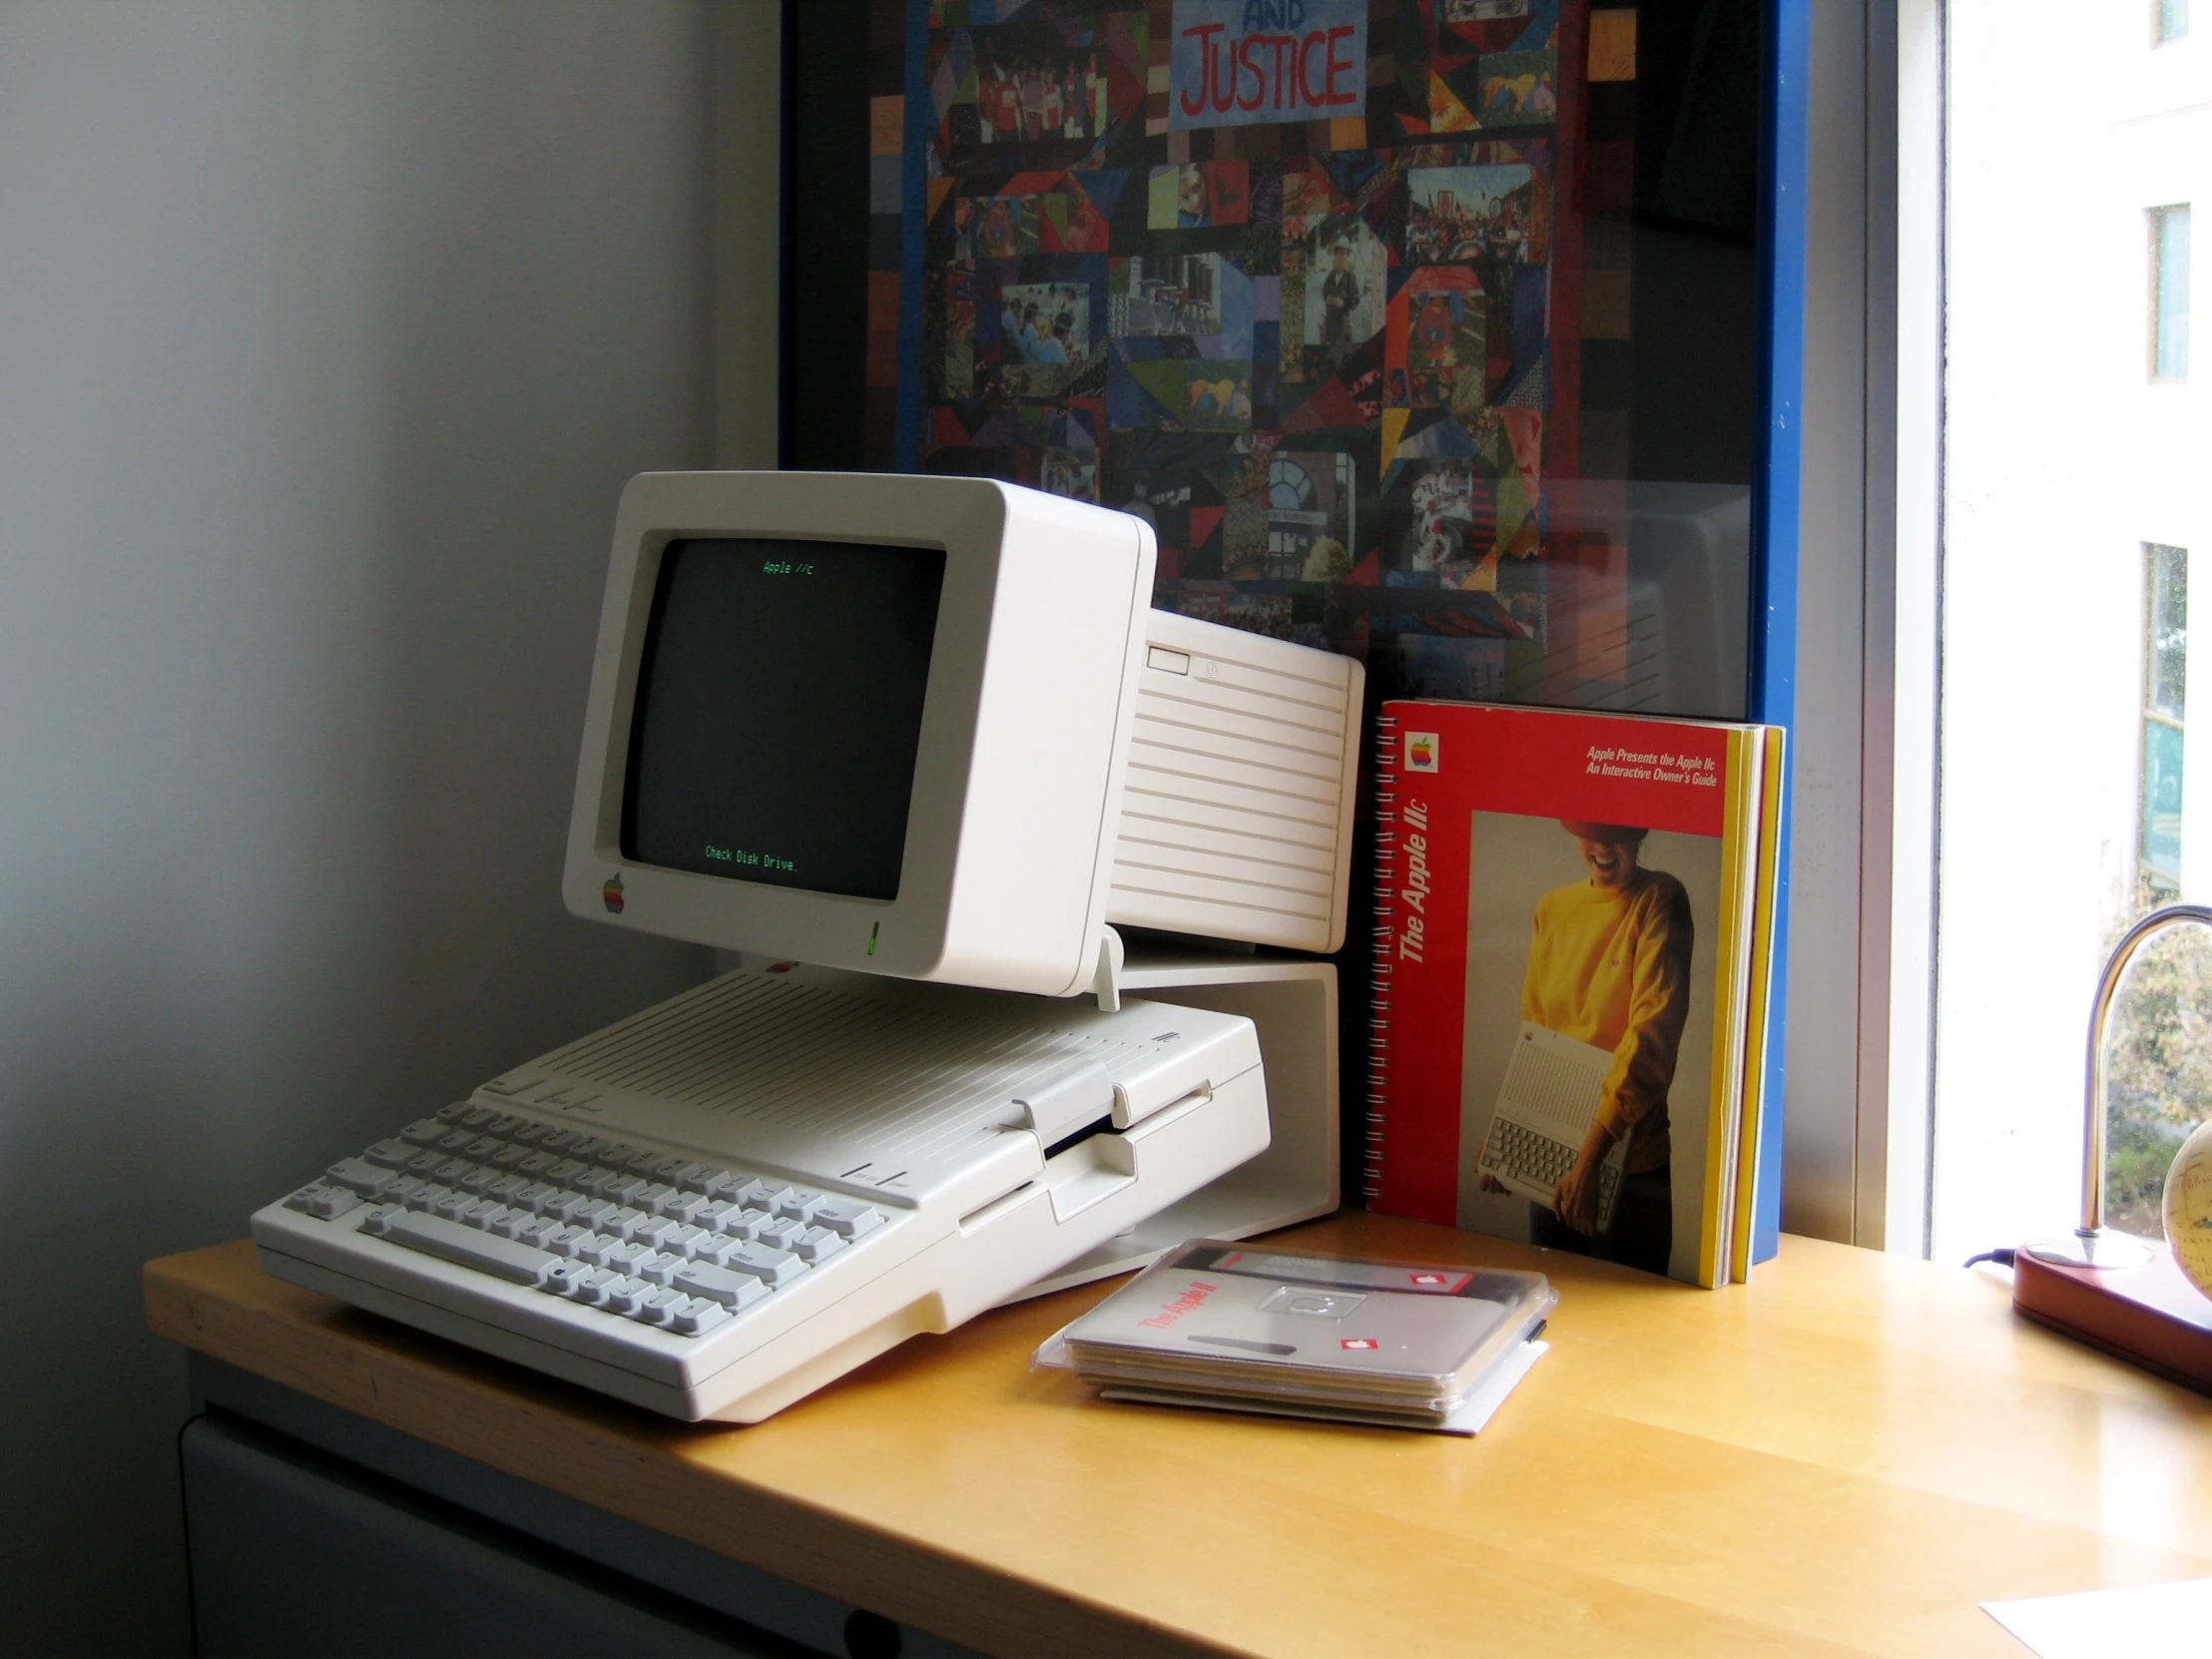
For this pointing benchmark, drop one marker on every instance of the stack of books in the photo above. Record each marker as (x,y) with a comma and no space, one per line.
(1285,1332)
(1573,946)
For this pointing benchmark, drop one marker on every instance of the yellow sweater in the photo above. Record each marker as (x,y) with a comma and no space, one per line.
(1610,966)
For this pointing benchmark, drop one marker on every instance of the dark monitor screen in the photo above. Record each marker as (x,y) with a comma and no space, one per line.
(778,708)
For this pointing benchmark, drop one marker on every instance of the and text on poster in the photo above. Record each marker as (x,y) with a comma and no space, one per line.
(1239,62)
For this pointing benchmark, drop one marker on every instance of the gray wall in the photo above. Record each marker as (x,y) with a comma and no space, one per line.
(327,337)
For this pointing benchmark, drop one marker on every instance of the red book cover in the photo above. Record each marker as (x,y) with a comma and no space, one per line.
(1565,931)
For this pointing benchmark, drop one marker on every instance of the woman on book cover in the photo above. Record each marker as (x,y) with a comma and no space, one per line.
(1609,965)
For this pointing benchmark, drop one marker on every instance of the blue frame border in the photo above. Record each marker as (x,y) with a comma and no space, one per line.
(1779,510)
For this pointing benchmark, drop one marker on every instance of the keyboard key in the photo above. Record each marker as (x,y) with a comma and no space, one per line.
(617,1219)
(595,1248)
(668,1169)
(711,1213)
(480,1213)
(452,1205)
(817,1244)
(425,1164)
(614,1154)
(590,1285)
(453,1113)
(504,1187)
(530,1134)
(660,1267)
(510,1223)
(650,1195)
(325,1203)
(677,1241)
(683,1206)
(625,1256)
(558,1276)
(378,1221)
(592,1212)
(479,1179)
(747,1189)
(391,1154)
(797,1203)
(697,1316)
(648,1230)
(423,1132)
(778,1231)
(642,1161)
(365,1179)
(778,1266)
(696,1176)
(564,1239)
(506,1123)
(539,1162)
(503,1258)
(402,1190)
(847,1215)
(451,1171)
(623,1187)
(510,1157)
(564,1203)
(732,1290)
(707,1247)
(566,1172)
(476,1117)
(483,1147)
(537,1230)
(623,1295)
(586,1146)
(454,1139)
(425,1197)
(654,1310)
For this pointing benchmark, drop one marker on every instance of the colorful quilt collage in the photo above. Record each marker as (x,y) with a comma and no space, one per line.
(1299,281)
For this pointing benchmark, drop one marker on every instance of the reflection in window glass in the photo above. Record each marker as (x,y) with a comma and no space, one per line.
(2169,341)
(2165,705)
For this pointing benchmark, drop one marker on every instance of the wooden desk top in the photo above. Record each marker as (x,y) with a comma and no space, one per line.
(1843,1457)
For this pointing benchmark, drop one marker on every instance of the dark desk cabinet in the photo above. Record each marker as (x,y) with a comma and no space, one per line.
(315,1534)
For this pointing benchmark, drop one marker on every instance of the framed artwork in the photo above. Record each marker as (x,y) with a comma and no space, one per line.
(1342,296)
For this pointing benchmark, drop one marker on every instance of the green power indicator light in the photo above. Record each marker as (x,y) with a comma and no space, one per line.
(871,933)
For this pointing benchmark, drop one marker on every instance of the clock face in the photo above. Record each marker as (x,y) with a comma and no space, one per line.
(2189,1208)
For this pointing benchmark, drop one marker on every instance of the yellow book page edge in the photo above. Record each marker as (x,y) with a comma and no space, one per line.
(1757,1034)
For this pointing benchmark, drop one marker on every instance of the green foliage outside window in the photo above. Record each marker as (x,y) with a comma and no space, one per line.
(2158,1084)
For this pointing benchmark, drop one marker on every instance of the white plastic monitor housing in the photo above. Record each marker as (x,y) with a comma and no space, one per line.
(1024,736)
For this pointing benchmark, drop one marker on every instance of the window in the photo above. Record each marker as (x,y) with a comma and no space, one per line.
(2165,705)
(2169,293)
(2073,493)
(2171,20)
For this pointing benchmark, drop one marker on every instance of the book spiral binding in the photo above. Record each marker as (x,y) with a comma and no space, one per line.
(1385,891)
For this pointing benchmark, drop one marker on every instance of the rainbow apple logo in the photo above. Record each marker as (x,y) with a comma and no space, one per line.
(612,891)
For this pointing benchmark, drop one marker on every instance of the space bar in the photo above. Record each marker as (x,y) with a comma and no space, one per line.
(451,1242)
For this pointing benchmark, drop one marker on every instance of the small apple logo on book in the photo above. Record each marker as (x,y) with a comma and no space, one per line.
(1420,751)
(613,893)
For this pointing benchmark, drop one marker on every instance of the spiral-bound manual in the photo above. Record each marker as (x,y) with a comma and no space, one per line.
(1572,938)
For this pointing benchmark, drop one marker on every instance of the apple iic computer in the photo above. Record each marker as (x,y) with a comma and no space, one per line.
(915,746)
